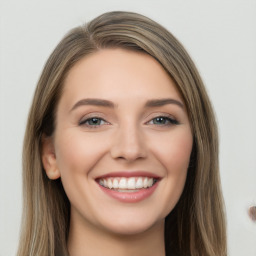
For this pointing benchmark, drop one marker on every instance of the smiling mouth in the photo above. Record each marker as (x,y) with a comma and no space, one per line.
(127,185)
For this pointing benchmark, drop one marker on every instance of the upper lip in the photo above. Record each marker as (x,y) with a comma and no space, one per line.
(128,174)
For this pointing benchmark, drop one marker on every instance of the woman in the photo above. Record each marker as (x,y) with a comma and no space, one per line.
(121,148)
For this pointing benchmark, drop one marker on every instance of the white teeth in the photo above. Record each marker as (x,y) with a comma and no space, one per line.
(121,184)
(150,182)
(145,183)
(128,190)
(115,183)
(109,184)
(139,183)
(131,183)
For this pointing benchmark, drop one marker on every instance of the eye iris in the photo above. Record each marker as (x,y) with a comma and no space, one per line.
(94,121)
(160,120)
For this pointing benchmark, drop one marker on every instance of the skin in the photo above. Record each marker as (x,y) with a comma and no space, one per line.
(128,137)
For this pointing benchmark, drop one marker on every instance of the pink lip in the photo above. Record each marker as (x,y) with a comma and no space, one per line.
(132,197)
(128,174)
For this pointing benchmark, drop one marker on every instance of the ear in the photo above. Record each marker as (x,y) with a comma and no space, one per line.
(49,158)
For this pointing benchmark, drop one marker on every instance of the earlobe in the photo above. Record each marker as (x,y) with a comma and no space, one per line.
(49,158)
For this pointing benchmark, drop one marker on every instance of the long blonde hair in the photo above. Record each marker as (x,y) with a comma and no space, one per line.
(196,226)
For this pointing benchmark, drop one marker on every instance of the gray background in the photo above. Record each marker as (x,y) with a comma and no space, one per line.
(220,36)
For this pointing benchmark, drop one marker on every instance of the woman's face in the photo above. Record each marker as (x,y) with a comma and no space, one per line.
(122,142)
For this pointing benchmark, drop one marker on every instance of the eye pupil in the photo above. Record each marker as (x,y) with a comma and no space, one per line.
(160,120)
(94,121)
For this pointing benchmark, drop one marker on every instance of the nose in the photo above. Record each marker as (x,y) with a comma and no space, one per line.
(128,144)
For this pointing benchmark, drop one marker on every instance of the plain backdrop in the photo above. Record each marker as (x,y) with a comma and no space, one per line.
(220,36)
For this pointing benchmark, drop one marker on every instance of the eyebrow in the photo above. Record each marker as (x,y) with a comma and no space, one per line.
(162,102)
(107,103)
(94,102)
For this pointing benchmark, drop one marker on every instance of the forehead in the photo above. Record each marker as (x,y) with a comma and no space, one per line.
(118,73)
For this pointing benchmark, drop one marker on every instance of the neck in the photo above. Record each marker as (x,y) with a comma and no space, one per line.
(86,240)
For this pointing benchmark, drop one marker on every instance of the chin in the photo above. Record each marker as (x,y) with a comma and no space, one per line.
(132,226)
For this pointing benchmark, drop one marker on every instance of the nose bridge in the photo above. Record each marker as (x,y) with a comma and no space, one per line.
(128,142)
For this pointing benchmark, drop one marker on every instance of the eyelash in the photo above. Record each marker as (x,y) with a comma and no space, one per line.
(86,122)
(168,121)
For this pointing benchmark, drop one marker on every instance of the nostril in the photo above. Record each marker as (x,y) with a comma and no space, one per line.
(128,152)
(128,143)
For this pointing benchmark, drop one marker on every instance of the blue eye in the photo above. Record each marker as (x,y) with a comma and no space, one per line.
(93,122)
(163,120)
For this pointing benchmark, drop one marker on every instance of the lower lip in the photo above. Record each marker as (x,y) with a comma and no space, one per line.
(130,197)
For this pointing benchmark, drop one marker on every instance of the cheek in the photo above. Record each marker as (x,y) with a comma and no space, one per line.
(174,154)
(174,151)
(77,154)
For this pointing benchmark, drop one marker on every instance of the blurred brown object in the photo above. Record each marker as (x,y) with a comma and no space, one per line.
(252,213)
